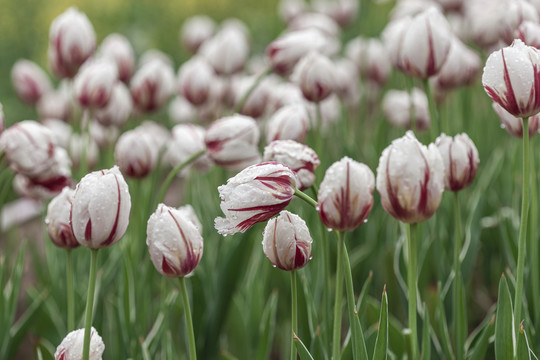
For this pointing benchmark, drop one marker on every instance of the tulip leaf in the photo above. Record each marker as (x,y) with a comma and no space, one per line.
(504,323)
(301,348)
(478,352)
(440,318)
(268,324)
(426,344)
(523,349)
(381,344)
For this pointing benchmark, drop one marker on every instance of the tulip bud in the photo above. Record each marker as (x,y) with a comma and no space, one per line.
(371,59)
(255,104)
(460,160)
(300,158)
(159,133)
(232,142)
(187,140)
(152,85)
(94,83)
(254,195)
(155,54)
(61,130)
(514,125)
(72,41)
(71,347)
(291,122)
(346,195)
(30,81)
(55,104)
(119,108)
(419,46)
(314,75)
(181,111)
(289,9)
(135,153)
(117,48)
(529,33)
(396,106)
(188,213)
(195,79)
(195,31)
(57,220)
(512,79)
(227,51)
(100,211)
(342,11)
(287,241)
(283,94)
(174,243)
(410,179)
(317,21)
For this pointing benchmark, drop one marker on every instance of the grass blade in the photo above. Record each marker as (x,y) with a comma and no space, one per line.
(381,344)
(301,348)
(504,323)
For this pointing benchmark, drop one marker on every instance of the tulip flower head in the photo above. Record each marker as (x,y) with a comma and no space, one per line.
(100,208)
(118,49)
(195,31)
(254,195)
(57,220)
(315,76)
(512,79)
(396,106)
(94,83)
(71,347)
(287,241)
(186,141)
(460,158)
(118,109)
(514,125)
(371,59)
(174,242)
(30,81)
(135,153)
(227,51)
(346,195)
(152,85)
(290,122)
(195,80)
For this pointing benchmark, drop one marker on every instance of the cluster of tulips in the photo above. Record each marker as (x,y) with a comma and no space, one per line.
(219,103)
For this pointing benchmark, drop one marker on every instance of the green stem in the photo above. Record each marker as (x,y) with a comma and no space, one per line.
(90,304)
(174,171)
(412,109)
(412,284)
(70,293)
(256,82)
(318,132)
(305,197)
(533,240)
(458,336)
(294,316)
(433,113)
(337,304)
(522,228)
(189,321)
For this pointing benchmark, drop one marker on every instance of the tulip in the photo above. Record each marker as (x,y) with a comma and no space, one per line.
(419,45)
(152,85)
(117,48)
(159,133)
(186,141)
(315,76)
(371,58)
(346,195)
(187,212)
(119,108)
(287,241)
(227,51)
(94,83)
(195,79)
(174,243)
(254,195)
(154,54)
(529,33)
(71,347)
(284,93)
(512,79)
(102,136)
(300,158)
(135,153)
(55,104)
(57,220)
(232,142)
(396,106)
(30,81)
(195,31)
(460,158)
(514,125)
(291,122)
(72,41)
(100,211)
(62,131)
(410,179)
(83,148)
(317,21)
(289,9)
(342,11)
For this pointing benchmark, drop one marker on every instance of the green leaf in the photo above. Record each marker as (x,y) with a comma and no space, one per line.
(461,318)
(444,335)
(504,323)
(478,352)
(523,349)
(268,324)
(301,348)
(381,344)
(426,345)
(362,303)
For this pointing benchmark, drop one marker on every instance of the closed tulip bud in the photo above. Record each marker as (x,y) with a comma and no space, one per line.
(371,59)
(118,49)
(314,75)
(529,33)
(100,208)
(255,103)
(160,134)
(300,158)
(174,243)
(55,104)
(317,21)
(254,195)
(460,158)
(195,80)
(227,51)
(94,83)
(152,85)
(512,79)
(30,81)
(118,109)
(155,54)
(289,9)
(419,45)
(396,106)
(135,154)
(181,111)
(72,41)
(342,11)
(290,122)
(287,241)
(514,125)
(232,142)
(57,220)
(188,213)
(71,347)
(346,195)
(186,141)
(410,179)
(195,31)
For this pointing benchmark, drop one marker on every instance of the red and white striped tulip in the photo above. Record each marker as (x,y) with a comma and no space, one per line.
(315,76)
(152,85)
(290,122)
(195,80)
(396,106)
(94,83)
(195,31)
(514,125)
(186,141)
(71,348)
(57,220)
(29,81)
(135,153)
(460,158)
(118,109)
(117,48)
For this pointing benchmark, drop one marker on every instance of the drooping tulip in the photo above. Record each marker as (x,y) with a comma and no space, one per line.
(71,348)
(460,158)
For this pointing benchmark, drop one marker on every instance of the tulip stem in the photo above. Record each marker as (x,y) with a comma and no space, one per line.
(305,197)
(459,341)
(189,321)
(433,113)
(533,239)
(70,293)
(522,228)
(173,172)
(412,282)
(337,304)
(294,316)
(240,104)
(90,304)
